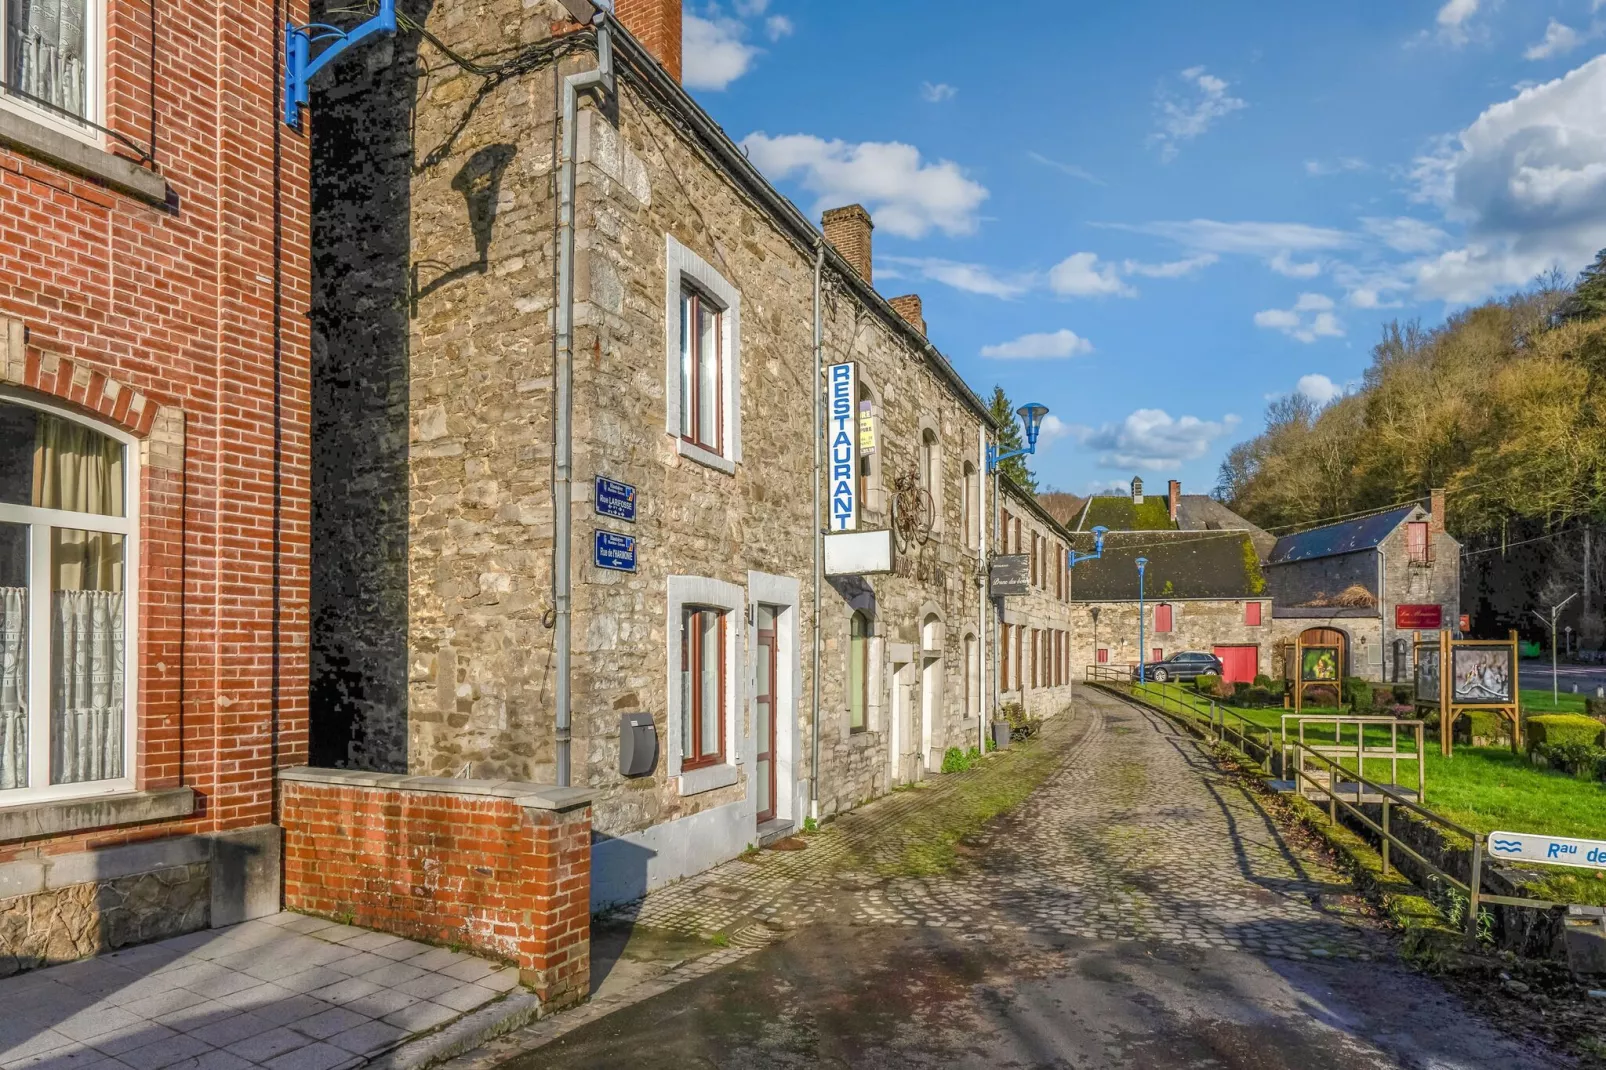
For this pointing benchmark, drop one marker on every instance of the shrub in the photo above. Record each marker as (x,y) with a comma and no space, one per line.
(1206,684)
(1358,692)
(1595,707)
(1240,689)
(1265,682)
(1560,729)
(1259,696)
(1579,759)
(1403,694)
(1020,725)
(1483,724)
(955,760)
(1321,695)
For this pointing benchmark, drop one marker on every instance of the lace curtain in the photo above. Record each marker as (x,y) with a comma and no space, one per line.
(46,42)
(13,688)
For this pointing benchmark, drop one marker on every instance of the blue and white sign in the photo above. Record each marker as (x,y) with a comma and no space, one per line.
(1548,850)
(615,551)
(842,436)
(615,499)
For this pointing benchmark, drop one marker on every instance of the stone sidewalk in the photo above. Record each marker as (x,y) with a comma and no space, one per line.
(288,992)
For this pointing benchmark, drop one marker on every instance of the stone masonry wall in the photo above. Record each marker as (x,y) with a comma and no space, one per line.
(1407,584)
(1196,625)
(1044,616)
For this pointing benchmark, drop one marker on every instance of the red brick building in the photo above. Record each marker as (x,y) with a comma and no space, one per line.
(153,468)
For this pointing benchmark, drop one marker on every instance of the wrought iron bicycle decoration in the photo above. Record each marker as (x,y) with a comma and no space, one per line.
(913,511)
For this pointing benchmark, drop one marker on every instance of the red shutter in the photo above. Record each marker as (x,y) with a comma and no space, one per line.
(1104,655)
(1252,614)
(1162,619)
(1158,655)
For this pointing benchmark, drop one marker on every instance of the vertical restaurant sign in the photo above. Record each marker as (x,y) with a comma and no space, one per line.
(842,418)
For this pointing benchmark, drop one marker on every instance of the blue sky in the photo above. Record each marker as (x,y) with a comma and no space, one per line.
(1153,215)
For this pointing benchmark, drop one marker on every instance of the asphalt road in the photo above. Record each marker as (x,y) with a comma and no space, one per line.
(1536,674)
(1140,909)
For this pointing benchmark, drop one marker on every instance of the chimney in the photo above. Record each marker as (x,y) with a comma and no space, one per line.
(848,231)
(1436,508)
(1137,490)
(656,24)
(1174,491)
(908,306)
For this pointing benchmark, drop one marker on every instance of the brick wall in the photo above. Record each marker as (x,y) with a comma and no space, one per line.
(501,868)
(160,319)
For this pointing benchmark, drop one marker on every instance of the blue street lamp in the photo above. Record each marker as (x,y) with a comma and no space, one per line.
(1098,549)
(1031,417)
(1142,563)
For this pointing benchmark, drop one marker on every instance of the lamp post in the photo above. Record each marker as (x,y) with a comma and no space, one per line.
(1031,417)
(1555,611)
(1143,563)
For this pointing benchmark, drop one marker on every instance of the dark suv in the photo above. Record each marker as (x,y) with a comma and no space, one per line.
(1182,666)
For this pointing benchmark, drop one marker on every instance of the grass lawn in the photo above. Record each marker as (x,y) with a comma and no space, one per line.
(1537,700)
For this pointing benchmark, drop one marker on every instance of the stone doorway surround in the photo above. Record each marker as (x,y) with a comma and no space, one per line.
(782,593)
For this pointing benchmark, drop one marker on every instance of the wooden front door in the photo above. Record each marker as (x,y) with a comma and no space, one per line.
(765,706)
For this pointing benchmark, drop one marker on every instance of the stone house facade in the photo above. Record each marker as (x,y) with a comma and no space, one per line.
(1036,634)
(154,490)
(441,373)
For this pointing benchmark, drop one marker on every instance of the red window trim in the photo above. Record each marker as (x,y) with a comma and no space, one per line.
(694,339)
(691,649)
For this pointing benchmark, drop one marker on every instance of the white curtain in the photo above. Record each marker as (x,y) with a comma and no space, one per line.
(13,688)
(86,738)
(47,42)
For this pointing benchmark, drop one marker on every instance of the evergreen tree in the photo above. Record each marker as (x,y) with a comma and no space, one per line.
(1589,298)
(1011,439)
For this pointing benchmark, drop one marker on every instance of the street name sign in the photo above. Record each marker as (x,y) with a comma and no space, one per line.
(615,551)
(1548,850)
(615,499)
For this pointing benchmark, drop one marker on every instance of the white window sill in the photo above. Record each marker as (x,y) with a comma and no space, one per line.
(710,778)
(704,457)
(33,820)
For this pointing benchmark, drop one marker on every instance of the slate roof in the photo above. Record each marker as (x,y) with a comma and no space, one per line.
(1181,564)
(1201,512)
(1345,537)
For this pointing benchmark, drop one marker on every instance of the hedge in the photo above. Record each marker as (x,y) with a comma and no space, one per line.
(1560,729)
(1358,692)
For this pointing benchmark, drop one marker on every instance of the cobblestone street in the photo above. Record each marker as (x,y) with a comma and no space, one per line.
(1136,879)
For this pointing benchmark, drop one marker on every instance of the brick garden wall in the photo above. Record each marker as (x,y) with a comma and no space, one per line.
(501,868)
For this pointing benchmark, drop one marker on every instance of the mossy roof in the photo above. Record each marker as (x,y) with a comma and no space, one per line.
(1181,564)
(1119,513)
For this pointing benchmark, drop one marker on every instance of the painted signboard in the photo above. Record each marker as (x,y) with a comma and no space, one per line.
(1424,618)
(615,499)
(1482,674)
(614,551)
(1427,674)
(866,428)
(842,436)
(1319,664)
(1548,850)
(1011,575)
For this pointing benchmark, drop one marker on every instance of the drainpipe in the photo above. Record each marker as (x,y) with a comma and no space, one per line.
(819,534)
(981,558)
(563,384)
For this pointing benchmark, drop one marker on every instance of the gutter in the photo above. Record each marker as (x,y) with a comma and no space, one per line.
(563,391)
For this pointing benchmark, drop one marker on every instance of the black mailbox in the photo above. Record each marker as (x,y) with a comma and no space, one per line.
(638,744)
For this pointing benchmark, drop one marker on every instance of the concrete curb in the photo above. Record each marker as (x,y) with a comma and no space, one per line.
(519,1009)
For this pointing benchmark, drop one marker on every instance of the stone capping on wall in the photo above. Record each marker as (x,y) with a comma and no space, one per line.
(68,153)
(159,427)
(524,794)
(36,820)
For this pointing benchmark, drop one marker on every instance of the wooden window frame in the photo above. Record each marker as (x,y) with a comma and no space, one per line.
(691,651)
(692,364)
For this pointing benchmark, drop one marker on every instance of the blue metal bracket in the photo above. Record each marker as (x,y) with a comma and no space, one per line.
(299,66)
(1098,549)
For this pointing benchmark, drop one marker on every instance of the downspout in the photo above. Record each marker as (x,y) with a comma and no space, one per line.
(819,534)
(563,386)
(982,710)
(997,605)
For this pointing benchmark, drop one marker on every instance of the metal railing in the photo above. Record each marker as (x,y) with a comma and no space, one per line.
(1255,740)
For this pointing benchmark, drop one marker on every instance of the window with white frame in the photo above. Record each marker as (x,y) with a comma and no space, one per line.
(68,548)
(50,59)
(702,351)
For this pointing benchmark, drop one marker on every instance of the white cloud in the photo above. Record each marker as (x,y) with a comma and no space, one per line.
(1284,264)
(1253,239)
(1070,168)
(1152,439)
(748,8)
(1173,269)
(1406,235)
(1453,19)
(1528,181)
(1054,345)
(1319,388)
(907,195)
(1311,318)
(971,278)
(1343,163)
(777,27)
(936,93)
(1053,428)
(1081,275)
(1183,118)
(714,53)
(1559,38)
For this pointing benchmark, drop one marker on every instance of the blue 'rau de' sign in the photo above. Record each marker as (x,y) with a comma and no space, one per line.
(615,499)
(1548,850)
(615,551)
